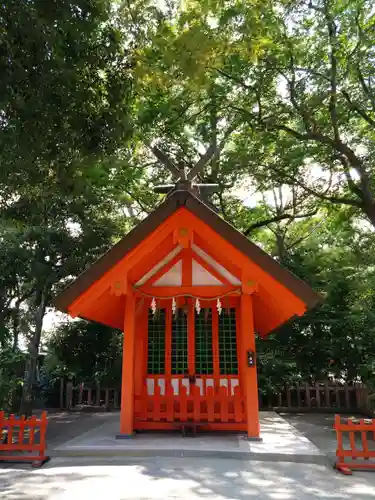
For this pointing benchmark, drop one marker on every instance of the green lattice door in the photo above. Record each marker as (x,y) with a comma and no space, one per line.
(210,342)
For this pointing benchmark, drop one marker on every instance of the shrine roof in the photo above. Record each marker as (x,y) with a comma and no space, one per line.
(172,203)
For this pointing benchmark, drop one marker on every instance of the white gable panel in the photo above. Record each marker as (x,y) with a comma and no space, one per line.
(171,278)
(202,277)
(159,265)
(218,267)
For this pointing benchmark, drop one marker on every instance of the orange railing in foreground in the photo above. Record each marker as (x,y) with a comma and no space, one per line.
(353,444)
(23,439)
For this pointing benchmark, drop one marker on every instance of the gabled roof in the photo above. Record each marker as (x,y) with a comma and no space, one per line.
(176,200)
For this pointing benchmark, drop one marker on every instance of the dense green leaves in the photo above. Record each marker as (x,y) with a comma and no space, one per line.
(283,92)
(86,352)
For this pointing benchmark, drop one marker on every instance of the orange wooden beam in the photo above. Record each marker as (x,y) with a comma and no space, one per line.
(163,270)
(187,269)
(191,337)
(140,361)
(210,269)
(249,374)
(127,383)
(144,266)
(183,236)
(142,251)
(249,286)
(195,291)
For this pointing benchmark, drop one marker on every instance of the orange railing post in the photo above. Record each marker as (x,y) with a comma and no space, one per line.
(356,454)
(23,439)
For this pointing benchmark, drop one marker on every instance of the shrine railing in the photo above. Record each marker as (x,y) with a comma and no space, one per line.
(205,403)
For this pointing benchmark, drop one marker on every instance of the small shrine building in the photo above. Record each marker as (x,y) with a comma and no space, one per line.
(189,292)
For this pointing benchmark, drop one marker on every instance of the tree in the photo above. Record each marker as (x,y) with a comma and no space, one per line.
(298,72)
(309,100)
(89,352)
(65,88)
(65,98)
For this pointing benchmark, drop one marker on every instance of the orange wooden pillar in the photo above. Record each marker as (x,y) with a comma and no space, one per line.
(249,374)
(140,354)
(127,383)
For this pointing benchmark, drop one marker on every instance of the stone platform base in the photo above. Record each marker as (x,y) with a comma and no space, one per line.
(280,442)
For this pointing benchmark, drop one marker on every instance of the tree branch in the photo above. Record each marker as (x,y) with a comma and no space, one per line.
(355,107)
(278,218)
(312,135)
(233,78)
(332,199)
(331,27)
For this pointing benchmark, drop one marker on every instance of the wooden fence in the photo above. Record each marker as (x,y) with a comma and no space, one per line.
(87,395)
(325,396)
(23,439)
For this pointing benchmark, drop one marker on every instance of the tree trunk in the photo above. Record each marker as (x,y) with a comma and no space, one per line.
(31,363)
(369,209)
(280,246)
(16,322)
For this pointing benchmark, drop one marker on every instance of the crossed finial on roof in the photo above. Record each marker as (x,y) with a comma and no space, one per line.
(184,177)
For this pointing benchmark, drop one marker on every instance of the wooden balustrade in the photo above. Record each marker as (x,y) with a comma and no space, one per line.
(325,396)
(83,395)
(210,405)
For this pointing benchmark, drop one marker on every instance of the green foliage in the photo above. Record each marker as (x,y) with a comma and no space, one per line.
(11,377)
(87,352)
(337,339)
(283,91)
(65,110)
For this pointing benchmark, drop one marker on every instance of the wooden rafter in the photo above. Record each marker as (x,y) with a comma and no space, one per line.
(209,268)
(187,257)
(159,254)
(194,291)
(163,270)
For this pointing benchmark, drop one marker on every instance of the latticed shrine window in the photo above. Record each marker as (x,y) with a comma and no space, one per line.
(156,342)
(179,362)
(203,343)
(227,342)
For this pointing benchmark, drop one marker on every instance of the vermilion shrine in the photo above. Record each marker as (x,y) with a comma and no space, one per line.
(190,292)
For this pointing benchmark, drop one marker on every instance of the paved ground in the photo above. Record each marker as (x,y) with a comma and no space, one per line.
(121,478)
(63,426)
(280,441)
(318,428)
(184,479)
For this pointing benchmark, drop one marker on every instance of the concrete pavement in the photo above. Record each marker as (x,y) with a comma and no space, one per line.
(280,441)
(201,477)
(183,479)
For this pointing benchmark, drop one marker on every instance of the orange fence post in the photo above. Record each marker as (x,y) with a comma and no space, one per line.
(353,456)
(156,400)
(223,395)
(210,397)
(238,412)
(23,439)
(183,402)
